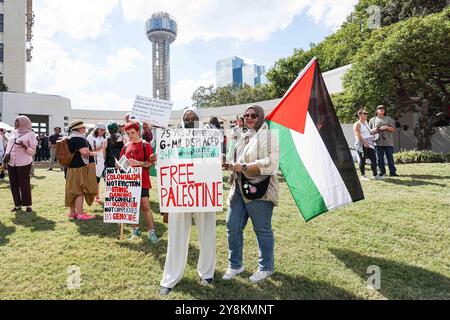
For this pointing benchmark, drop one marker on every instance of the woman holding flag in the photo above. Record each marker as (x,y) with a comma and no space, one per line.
(253,194)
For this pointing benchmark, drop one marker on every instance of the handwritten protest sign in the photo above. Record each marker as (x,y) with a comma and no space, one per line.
(122,196)
(154,111)
(189,170)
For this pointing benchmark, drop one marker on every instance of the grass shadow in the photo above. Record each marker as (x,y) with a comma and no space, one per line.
(425,176)
(33,221)
(96,227)
(159,250)
(278,287)
(4,233)
(398,280)
(413,183)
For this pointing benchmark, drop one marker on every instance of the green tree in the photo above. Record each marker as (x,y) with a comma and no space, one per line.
(399,10)
(203,96)
(406,66)
(340,48)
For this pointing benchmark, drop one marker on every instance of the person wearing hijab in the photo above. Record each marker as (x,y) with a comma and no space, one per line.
(19,156)
(179,230)
(253,194)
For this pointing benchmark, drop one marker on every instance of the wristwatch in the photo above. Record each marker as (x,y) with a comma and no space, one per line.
(244,167)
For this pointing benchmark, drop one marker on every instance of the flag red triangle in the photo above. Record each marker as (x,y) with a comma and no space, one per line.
(292,110)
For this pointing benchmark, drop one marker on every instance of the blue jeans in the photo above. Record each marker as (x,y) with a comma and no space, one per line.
(260,212)
(389,151)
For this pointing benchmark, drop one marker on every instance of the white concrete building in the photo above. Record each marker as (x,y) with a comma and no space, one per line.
(16,20)
(44,111)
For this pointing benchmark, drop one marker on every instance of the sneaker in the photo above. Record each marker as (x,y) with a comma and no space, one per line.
(394,175)
(259,276)
(381,176)
(85,216)
(152,237)
(29,209)
(49,169)
(364,178)
(206,282)
(72,216)
(135,234)
(15,209)
(376,178)
(231,273)
(163,291)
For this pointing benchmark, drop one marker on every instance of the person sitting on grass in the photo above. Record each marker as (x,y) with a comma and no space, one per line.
(140,154)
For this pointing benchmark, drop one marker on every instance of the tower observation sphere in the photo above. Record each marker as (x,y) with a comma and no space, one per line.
(161,31)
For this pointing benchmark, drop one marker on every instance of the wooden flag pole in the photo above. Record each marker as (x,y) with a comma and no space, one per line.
(121,231)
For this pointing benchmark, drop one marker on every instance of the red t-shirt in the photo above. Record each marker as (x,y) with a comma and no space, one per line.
(136,151)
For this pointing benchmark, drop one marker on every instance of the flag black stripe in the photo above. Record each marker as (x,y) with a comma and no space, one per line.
(324,116)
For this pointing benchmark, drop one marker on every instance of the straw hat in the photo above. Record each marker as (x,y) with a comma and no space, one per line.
(77,124)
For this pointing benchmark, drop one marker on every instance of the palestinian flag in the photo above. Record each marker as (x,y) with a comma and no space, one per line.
(314,156)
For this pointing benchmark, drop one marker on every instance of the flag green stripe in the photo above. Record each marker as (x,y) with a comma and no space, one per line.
(302,187)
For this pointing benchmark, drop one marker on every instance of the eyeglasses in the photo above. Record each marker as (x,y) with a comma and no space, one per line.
(251,115)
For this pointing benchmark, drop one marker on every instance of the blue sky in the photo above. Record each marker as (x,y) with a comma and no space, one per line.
(96,53)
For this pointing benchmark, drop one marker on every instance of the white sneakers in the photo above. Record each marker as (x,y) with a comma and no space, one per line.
(364,178)
(258,276)
(231,273)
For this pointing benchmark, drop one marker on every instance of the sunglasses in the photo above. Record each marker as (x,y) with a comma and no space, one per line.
(366,113)
(251,115)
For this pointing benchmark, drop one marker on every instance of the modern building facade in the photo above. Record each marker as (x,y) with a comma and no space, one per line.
(229,71)
(236,72)
(253,75)
(16,21)
(161,31)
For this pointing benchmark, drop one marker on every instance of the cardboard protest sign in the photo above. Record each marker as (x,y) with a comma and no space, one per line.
(154,111)
(189,170)
(122,196)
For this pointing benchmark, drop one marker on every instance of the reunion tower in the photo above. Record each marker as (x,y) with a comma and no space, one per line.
(161,31)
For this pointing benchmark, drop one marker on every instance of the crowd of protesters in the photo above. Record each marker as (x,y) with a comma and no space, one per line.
(252,157)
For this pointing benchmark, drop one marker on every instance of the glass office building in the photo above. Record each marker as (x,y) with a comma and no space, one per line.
(235,71)
(253,74)
(229,71)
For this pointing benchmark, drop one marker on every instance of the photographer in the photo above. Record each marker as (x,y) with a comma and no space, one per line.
(384,145)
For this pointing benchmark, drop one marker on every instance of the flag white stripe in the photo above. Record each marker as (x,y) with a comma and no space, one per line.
(320,166)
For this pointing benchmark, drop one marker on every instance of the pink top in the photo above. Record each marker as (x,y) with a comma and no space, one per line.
(19,156)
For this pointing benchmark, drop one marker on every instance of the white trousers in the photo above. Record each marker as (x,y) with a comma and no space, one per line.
(177,247)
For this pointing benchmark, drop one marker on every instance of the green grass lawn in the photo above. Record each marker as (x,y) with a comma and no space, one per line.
(403,227)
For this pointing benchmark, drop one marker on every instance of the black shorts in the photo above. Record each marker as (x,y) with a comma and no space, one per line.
(98,179)
(145,193)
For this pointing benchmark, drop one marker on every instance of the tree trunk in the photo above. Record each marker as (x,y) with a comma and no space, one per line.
(424,128)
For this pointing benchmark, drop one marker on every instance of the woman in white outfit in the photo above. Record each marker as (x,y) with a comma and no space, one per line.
(97,141)
(179,230)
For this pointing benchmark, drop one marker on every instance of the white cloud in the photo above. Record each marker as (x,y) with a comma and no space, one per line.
(71,72)
(122,61)
(81,19)
(182,91)
(101,101)
(242,20)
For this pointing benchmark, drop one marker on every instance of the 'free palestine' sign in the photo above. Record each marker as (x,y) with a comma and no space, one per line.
(189,168)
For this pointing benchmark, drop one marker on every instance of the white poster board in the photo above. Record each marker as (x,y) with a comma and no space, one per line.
(122,196)
(189,170)
(154,111)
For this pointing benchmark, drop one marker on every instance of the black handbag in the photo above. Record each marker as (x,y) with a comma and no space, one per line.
(254,191)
